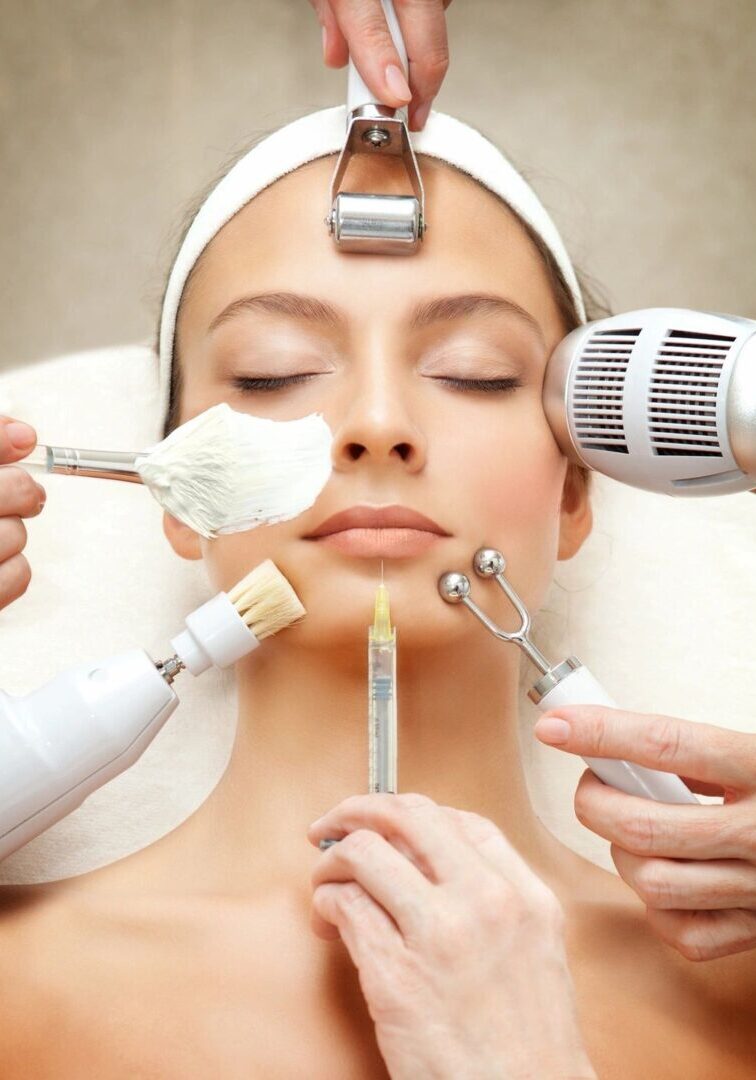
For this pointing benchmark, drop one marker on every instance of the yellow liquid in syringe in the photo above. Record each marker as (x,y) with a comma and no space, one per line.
(382,739)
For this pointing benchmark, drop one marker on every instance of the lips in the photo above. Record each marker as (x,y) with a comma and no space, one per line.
(379,532)
(376,517)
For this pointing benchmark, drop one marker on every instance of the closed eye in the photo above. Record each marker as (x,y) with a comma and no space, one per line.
(251,383)
(486,385)
(268,383)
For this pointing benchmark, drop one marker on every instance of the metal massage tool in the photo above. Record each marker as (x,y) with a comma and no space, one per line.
(567,683)
(372,223)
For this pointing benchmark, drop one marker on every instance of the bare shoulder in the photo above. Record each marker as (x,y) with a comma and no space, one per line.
(63,951)
(28,935)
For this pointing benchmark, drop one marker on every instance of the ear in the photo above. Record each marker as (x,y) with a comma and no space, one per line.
(184,541)
(576,513)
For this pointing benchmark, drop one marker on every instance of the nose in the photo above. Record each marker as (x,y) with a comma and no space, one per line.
(377,426)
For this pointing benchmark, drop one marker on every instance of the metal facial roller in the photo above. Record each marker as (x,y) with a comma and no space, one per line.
(372,223)
(567,683)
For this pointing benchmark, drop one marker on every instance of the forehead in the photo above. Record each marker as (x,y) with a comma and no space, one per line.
(279,241)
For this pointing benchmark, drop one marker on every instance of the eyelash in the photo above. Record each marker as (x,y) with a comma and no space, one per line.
(270,383)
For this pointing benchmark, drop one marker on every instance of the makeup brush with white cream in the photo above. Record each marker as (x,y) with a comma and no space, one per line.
(223,471)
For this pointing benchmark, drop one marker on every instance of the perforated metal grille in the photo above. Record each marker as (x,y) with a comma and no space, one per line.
(682,403)
(599,389)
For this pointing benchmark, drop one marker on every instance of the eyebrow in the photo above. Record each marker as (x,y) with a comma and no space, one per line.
(440,309)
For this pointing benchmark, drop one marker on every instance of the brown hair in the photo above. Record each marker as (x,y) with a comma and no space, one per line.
(577,480)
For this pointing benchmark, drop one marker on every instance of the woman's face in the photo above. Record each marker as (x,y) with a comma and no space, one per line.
(432,393)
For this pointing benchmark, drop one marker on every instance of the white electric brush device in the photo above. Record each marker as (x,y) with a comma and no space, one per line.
(567,683)
(85,727)
(662,399)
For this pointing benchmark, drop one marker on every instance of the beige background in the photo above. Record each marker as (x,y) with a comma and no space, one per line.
(636,122)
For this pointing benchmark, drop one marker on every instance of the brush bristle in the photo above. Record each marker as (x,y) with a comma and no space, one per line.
(266,600)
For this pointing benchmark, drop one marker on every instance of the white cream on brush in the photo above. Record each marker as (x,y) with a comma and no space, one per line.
(226,471)
(221,472)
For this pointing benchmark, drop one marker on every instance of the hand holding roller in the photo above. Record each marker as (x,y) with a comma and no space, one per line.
(369,222)
(568,683)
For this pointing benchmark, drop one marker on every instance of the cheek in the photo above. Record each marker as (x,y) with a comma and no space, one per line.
(509,473)
(229,558)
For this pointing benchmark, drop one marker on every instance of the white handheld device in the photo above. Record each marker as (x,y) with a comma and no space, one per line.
(65,740)
(662,399)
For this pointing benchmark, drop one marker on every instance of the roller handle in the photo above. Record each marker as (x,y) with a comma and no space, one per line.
(357,92)
(581,688)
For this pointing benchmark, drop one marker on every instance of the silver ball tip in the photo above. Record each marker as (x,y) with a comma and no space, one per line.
(454,587)
(488,562)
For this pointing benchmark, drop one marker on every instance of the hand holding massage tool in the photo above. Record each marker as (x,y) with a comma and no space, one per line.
(90,723)
(662,399)
(223,471)
(567,683)
(380,224)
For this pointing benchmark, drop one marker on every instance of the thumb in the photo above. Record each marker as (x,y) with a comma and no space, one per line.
(17,439)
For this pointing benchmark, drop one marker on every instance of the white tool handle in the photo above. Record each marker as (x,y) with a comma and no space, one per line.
(65,740)
(357,92)
(580,688)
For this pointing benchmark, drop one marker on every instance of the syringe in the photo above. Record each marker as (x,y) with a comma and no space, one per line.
(382,696)
(382,742)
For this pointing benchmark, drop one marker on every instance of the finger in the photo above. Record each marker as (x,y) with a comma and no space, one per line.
(13,537)
(383,872)
(714,754)
(345,910)
(371,47)
(15,575)
(670,883)
(20,495)
(646,827)
(705,935)
(423,27)
(335,47)
(17,439)
(413,823)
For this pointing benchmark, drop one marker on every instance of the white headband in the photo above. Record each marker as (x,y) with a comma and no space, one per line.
(321,133)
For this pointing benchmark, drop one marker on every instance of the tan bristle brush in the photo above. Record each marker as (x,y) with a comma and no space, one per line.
(97,719)
(232,624)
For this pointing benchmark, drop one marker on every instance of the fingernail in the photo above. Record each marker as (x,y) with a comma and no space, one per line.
(552,730)
(397,83)
(421,115)
(21,435)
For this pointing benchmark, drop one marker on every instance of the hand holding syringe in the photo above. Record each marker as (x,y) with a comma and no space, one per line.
(382,741)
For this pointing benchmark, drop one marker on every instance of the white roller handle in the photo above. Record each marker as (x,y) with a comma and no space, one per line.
(580,688)
(357,92)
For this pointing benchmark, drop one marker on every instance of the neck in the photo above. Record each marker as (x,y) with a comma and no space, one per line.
(301,747)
